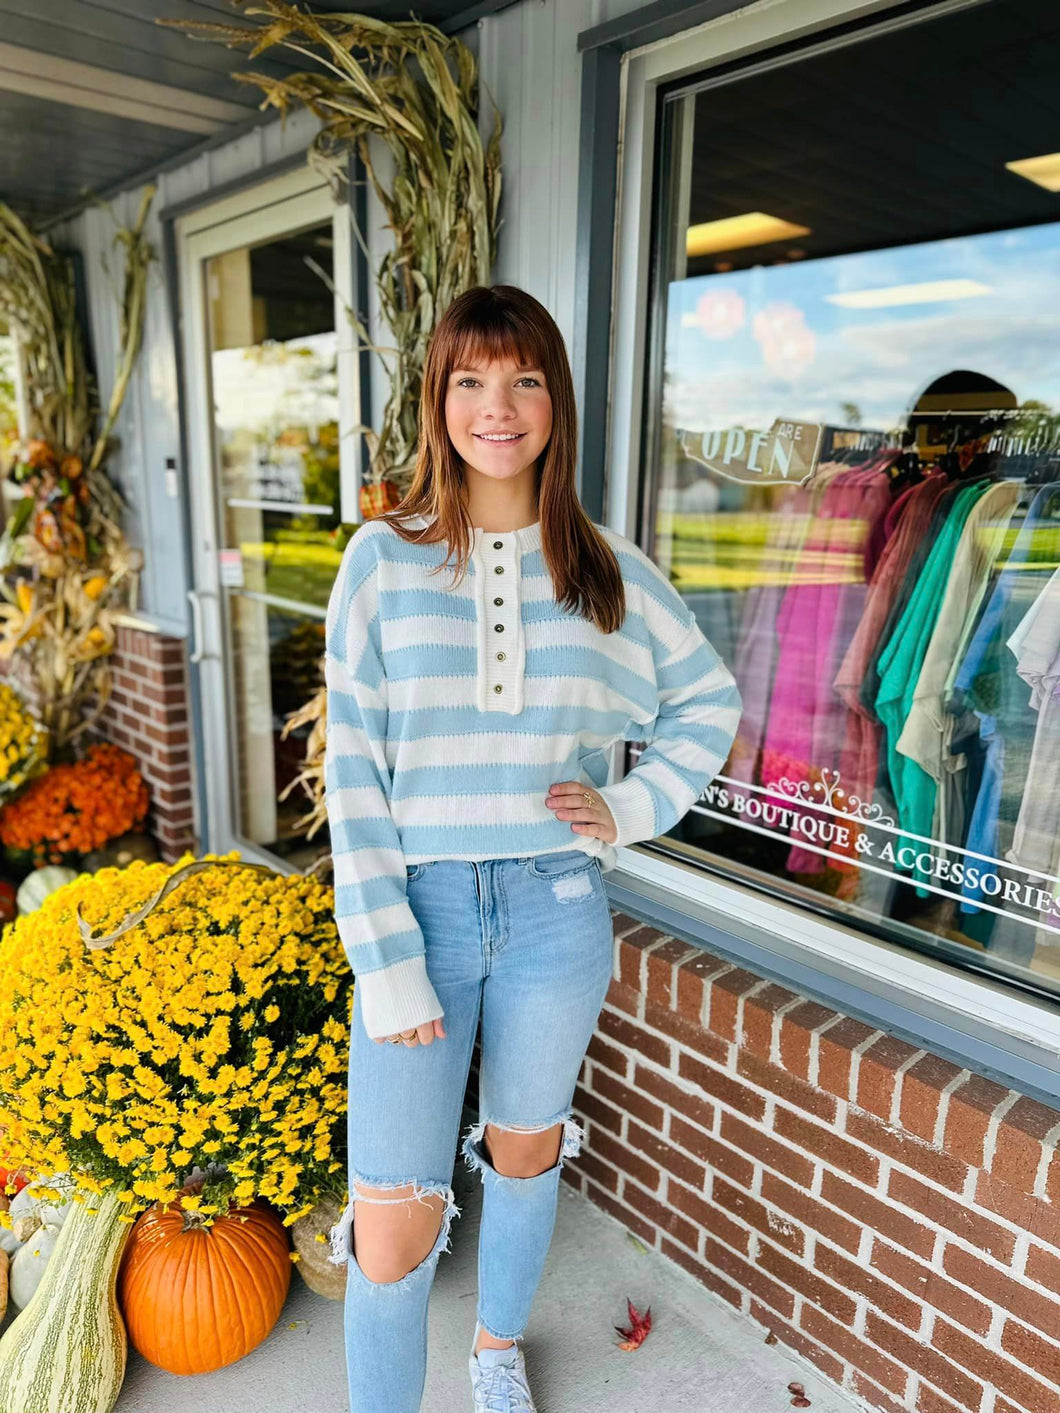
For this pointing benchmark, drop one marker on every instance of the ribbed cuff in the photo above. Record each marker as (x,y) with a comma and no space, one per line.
(398,997)
(633,808)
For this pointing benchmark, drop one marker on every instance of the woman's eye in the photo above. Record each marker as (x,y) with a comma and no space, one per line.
(460,382)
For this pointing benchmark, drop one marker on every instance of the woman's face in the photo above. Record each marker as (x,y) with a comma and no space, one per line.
(499,417)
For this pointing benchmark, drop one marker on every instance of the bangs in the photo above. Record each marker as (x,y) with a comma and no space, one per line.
(497,339)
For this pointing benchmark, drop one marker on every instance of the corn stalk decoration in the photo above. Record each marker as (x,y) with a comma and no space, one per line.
(67,567)
(415,89)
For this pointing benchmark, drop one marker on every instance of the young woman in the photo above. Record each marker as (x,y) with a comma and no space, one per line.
(467,728)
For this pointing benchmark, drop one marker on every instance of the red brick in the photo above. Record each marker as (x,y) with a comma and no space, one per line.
(785,1086)
(613,1153)
(631,1101)
(635,1037)
(590,1106)
(1018,1151)
(1041,1355)
(828,1364)
(667,1157)
(928,1401)
(759,1018)
(877,1366)
(688,1033)
(624,998)
(987,1364)
(810,1212)
(852,1275)
(1044,1267)
(1033,1215)
(725,992)
(779,1229)
(630,1220)
(716,1155)
(631,949)
(775,1155)
(955,1217)
(931,1288)
(608,1055)
(968,1116)
(923,1360)
(809,1284)
(874,1396)
(1000,1289)
(877,1073)
(922,1088)
(910,1152)
(704,1274)
(835,1047)
(795,1031)
(880,1216)
(599,1171)
(693,975)
(698,1110)
(832,1147)
(708,1216)
(662,1216)
(661,963)
(750,1277)
(722,1087)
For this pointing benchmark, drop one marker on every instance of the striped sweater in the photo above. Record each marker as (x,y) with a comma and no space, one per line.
(451,710)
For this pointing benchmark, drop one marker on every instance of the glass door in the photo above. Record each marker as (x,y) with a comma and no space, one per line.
(267,353)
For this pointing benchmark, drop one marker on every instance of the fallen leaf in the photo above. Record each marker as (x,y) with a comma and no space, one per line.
(639,1327)
(797,1388)
(800,1402)
(770,1338)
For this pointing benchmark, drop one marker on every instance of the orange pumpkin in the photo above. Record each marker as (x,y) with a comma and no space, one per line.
(196,1298)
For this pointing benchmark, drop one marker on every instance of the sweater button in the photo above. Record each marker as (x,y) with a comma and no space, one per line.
(501,657)
(498,602)
(498,544)
(498,627)
(498,688)
(498,569)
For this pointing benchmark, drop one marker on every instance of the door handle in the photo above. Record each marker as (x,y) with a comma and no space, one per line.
(198,651)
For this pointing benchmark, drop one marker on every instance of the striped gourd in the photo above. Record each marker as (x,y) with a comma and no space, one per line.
(65,1353)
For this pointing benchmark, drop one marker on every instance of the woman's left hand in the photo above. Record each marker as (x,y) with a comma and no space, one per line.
(567,799)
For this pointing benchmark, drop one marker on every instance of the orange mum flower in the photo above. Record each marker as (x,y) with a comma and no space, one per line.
(76,808)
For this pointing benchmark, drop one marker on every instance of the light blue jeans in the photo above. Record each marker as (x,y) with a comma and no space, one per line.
(526,944)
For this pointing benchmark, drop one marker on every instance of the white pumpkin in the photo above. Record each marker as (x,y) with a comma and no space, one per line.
(29,1264)
(9,1242)
(30,1210)
(42,881)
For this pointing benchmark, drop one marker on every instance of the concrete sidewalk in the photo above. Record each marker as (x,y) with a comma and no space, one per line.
(701,1357)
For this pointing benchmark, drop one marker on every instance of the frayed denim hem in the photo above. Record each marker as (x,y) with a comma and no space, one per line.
(340,1235)
(475,1156)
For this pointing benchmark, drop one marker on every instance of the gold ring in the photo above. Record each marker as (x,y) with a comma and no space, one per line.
(588,797)
(410,1042)
(393,1040)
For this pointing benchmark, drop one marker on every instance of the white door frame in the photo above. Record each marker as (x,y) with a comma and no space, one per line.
(281,206)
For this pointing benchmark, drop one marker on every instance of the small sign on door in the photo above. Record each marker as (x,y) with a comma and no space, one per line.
(230,564)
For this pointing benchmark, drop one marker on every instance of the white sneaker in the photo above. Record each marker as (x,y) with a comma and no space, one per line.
(498,1381)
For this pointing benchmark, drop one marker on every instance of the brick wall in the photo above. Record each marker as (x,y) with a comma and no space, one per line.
(148,714)
(892,1218)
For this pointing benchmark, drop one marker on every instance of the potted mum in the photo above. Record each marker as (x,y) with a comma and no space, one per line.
(156,1019)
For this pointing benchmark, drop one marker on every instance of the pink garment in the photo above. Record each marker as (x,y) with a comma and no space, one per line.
(818,614)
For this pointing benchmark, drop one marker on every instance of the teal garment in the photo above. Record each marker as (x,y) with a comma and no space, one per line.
(912,788)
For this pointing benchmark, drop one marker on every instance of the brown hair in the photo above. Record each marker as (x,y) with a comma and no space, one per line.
(496,322)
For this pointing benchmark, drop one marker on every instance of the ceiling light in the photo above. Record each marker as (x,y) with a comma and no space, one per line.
(930,292)
(1043,171)
(736,232)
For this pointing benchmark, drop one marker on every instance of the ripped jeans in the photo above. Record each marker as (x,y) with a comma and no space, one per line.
(527,945)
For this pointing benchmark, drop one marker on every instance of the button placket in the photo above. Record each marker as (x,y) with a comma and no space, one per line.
(498,560)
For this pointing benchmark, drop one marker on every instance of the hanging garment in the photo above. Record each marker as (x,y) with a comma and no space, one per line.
(926,736)
(903,658)
(991,685)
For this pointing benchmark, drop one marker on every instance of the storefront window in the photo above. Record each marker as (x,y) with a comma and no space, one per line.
(853,474)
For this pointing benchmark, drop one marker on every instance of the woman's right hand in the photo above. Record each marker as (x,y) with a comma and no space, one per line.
(422,1035)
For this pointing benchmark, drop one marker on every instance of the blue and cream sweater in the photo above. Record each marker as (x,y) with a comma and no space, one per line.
(451,710)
